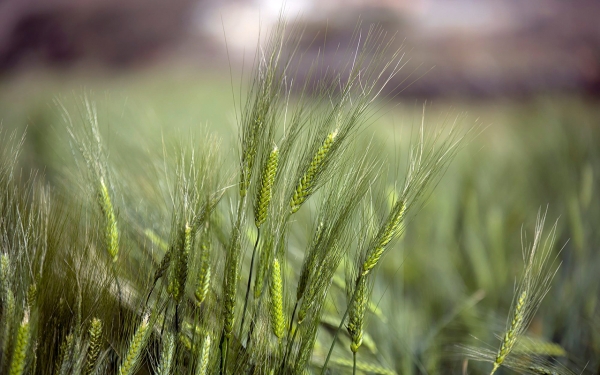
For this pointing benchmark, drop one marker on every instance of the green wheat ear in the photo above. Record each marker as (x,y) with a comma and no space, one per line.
(306,184)
(391,228)
(204,357)
(95,334)
(276,305)
(263,196)
(204,274)
(134,352)
(179,267)
(511,335)
(19,357)
(166,358)
(357,314)
(111,231)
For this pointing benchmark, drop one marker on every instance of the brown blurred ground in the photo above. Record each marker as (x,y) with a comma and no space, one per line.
(478,48)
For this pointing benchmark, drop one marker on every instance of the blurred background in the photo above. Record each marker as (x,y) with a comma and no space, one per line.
(528,71)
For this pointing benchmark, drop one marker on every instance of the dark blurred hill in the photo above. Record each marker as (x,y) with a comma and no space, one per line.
(479,48)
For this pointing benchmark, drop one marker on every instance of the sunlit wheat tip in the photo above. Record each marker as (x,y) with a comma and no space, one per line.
(306,184)
(263,197)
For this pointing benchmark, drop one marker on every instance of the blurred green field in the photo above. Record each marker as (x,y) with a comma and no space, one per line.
(450,280)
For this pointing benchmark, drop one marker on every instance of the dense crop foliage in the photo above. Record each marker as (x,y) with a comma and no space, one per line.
(309,244)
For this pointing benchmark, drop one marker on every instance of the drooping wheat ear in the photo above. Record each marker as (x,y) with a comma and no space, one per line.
(306,184)
(134,352)
(180,266)
(356,314)
(391,228)
(276,305)
(19,357)
(263,194)
(166,357)
(204,357)
(511,335)
(309,262)
(31,296)
(95,333)
(111,231)
(203,285)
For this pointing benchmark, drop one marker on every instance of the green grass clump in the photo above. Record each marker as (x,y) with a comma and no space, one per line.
(180,254)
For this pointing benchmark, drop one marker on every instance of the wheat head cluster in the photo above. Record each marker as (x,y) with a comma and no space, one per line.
(198,269)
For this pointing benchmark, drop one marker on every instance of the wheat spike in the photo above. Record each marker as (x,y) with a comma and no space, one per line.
(7,317)
(306,184)
(66,348)
(4,271)
(111,230)
(357,313)
(203,284)
(230,287)
(31,296)
(391,227)
(204,357)
(263,195)
(179,268)
(309,263)
(276,306)
(166,357)
(136,345)
(19,357)
(510,337)
(95,334)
